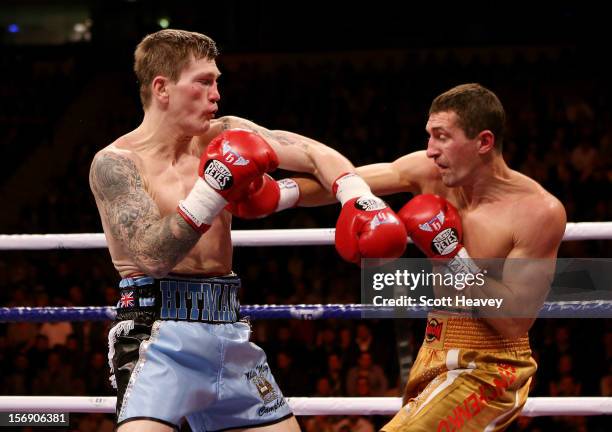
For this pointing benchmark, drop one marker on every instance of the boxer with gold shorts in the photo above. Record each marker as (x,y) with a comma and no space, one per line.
(466,377)
(470,374)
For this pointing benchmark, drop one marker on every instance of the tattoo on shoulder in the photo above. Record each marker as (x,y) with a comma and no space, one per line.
(112,176)
(134,217)
(119,187)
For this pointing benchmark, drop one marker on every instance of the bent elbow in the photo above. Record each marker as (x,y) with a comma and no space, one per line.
(510,328)
(515,329)
(319,156)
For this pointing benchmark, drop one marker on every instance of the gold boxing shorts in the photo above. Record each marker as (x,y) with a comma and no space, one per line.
(466,377)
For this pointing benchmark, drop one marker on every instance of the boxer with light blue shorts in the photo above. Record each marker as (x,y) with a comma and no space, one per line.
(179,351)
(166,192)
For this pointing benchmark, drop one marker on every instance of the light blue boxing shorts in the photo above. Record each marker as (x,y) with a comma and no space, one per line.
(194,363)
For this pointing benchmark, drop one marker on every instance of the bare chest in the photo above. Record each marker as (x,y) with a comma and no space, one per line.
(487,230)
(167,186)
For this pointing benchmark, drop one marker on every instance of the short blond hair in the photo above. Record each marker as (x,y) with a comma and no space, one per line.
(167,52)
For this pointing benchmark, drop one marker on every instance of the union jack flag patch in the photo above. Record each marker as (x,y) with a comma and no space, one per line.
(126,300)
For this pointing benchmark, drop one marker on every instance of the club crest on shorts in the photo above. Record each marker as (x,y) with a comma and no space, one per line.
(434,224)
(433,331)
(217,175)
(445,242)
(264,387)
(369,203)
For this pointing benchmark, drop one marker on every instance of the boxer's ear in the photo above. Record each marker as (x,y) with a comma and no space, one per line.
(159,88)
(486,141)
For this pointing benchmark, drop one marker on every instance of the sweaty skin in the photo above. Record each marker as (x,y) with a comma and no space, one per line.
(137,193)
(504,213)
(136,187)
(139,179)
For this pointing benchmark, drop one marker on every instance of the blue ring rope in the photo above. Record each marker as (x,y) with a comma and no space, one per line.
(566,309)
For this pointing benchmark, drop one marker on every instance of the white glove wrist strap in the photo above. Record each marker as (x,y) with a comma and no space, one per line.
(351,186)
(463,263)
(289,194)
(202,204)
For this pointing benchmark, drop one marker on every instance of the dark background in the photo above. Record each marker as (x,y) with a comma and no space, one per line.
(356,76)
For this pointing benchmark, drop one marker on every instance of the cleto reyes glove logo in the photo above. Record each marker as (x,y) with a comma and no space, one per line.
(369,203)
(445,242)
(217,175)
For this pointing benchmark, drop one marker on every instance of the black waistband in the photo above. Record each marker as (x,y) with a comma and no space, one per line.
(180,298)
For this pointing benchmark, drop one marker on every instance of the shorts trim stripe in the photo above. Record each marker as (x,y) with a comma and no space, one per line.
(491,426)
(257,425)
(138,368)
(165,422)
(452,359)
(451,376)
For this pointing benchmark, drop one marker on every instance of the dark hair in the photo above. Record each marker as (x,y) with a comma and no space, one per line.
(477,109)
(166,53)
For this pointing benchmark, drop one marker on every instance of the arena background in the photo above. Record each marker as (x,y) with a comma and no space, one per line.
(358,77)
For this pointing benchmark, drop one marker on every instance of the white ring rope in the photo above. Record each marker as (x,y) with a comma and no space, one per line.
(274,237)
(535,406)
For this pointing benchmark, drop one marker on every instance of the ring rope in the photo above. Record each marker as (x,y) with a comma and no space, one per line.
(562,309)
(537,406)
(274,237)
(304,406)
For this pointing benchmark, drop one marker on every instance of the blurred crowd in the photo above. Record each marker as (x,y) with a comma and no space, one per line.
(370,106)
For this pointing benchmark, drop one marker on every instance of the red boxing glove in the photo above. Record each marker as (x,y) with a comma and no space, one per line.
(230,163)
(367,227)
(234,159)
(265,196)
(434,226)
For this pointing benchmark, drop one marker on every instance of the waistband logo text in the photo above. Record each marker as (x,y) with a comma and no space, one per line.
(213,302)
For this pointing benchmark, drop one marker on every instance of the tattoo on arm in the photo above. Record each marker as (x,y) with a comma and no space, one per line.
(156,244)
(282,138)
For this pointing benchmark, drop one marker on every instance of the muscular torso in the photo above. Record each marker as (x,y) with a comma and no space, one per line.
(167,182)
(493,226)
(488,227)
